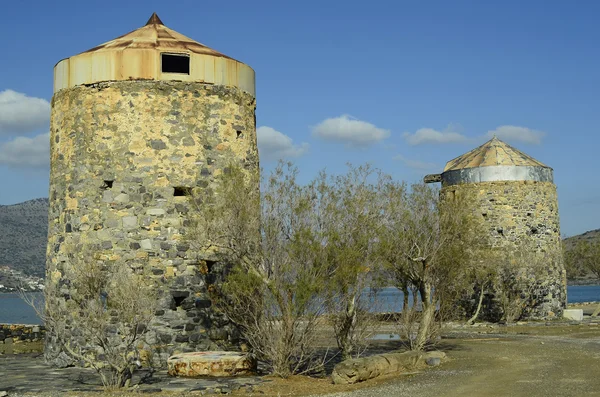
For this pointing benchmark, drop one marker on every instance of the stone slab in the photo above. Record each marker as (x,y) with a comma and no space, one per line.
(216,363)
(573,314)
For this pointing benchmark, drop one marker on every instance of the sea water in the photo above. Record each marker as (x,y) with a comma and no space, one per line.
(14,310)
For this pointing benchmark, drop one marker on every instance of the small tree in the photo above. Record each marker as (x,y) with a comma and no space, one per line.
(351,215)
(103,319)
(573,265)
(585,255)
(428,243)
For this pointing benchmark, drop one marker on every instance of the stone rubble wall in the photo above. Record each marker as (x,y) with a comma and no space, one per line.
(123,156)
(21,333)
(523,215)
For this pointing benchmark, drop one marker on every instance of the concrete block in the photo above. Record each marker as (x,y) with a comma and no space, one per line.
(573,314)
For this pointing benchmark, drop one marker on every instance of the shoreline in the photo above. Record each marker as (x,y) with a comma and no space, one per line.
(583,283)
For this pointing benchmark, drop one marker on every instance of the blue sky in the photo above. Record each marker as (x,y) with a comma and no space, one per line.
(404,85)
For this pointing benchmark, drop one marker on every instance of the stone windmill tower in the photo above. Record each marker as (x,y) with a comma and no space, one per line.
(136,123)
(515,197)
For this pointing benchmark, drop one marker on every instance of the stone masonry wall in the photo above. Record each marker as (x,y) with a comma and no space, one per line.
(523,215)
(123,155)
(21,332)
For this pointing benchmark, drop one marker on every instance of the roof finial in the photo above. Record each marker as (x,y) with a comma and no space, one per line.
(154,20)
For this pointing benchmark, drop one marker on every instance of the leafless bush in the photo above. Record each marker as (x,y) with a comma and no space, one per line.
(515,283)
(102,320)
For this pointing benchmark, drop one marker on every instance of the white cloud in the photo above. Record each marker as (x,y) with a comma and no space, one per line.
(26,152)
(274,145)
(20,113)
(516,133)
(350,131)
(429,135)
(416,164)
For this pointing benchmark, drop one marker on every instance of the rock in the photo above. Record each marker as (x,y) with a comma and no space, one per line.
(433,361)
(62,361)
(151,390)
(3,393)
(216,363)
(362,369)
(573,314)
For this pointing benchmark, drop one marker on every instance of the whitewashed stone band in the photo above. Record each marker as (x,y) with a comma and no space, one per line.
(497,173)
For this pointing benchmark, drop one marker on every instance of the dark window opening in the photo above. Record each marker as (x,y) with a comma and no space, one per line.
(178,300)
(239,134)
(107,185)
(182,191)
(175,63)
(209,265)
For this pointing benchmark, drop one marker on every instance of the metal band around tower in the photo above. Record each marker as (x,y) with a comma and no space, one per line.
(497,173)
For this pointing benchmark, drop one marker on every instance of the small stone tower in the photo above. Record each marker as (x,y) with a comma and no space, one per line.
(136,123)
(516,198)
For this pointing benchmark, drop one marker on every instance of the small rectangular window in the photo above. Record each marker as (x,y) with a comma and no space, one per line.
(182,191)
(175,63)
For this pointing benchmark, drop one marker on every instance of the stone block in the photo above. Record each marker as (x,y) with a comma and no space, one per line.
(122,198)
(217,363)
(130,222)
(146,244)
(107,196)
(155,211)
(573,314)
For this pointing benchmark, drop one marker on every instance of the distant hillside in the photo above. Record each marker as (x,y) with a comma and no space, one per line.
(23,234)
(592,235)
(572,273)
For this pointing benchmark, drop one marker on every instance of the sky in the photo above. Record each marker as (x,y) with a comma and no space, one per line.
(403,85)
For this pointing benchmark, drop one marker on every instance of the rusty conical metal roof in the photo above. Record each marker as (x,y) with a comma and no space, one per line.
(492,153)
(157,53)
(155,35)
(154,20)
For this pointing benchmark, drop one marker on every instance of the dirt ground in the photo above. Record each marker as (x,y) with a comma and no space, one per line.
(542,361)
(523,360)
(530,359)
